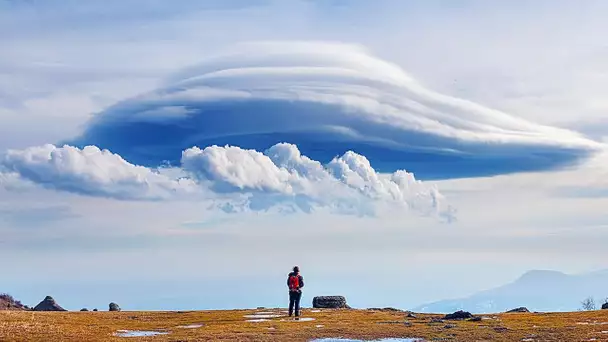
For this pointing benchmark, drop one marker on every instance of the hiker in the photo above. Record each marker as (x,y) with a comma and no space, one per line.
(295,282)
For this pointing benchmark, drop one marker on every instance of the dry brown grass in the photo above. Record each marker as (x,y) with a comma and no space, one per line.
(363,324)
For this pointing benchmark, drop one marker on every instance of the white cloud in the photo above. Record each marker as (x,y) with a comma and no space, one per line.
(89,171)
(232,178)
(345,183)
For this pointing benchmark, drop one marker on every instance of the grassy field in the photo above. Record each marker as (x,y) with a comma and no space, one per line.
(362,324)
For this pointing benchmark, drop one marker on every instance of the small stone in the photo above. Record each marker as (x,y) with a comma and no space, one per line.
(436,320)
(475,319)
(95,309)
(449,326)
(84,309)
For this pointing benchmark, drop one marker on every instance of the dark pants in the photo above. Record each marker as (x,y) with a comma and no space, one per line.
(294,300)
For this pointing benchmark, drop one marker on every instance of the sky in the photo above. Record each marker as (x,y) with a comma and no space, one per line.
(187,155)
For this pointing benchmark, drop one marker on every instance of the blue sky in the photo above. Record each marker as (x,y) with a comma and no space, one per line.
(478,133)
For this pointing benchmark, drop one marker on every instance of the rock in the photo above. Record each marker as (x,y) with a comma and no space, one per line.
(48,304)
(329,302)
(475,319)
(520,309)
(95,309)
(605,306)
(449,326)
(7,302)
(84,309)
(436,320)
(459,315)
(114,307)
(410,315)
(385,309)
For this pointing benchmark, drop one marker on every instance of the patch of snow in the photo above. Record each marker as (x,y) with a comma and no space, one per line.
(190,326)
(301,319)
(263,316)
(138,333)
(381,340)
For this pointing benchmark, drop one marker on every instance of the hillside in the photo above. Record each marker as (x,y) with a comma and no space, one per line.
(538,290)
(272,325)
(7,302)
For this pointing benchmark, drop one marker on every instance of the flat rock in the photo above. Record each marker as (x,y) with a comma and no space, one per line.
(386,309)
(330,302)
(459,315)
(520,309)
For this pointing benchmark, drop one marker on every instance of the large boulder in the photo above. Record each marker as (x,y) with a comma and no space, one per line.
(605,306)
(7,302)
(330,302)
(114,307)
(520,309)
(459,315)
(48,304)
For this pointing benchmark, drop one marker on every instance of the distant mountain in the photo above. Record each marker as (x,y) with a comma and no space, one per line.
(538,290)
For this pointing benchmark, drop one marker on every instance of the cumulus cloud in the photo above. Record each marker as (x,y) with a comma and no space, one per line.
(327,99)
(232,178)
(347,182)
(88,171)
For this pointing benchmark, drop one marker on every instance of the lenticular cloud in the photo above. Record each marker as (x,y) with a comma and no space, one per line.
(326,99)
(233,178)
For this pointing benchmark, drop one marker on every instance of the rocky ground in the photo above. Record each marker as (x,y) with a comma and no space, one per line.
(272,325)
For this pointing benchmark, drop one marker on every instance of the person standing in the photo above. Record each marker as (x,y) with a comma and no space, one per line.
(295,282)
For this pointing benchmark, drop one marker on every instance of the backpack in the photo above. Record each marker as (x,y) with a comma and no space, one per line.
(294,282)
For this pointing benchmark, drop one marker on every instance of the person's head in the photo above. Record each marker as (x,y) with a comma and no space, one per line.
(296,269)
